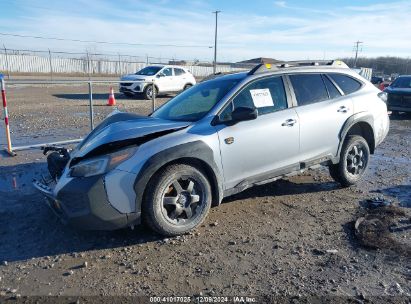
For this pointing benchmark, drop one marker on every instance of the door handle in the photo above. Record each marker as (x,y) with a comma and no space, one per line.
(289,123)
(343,109)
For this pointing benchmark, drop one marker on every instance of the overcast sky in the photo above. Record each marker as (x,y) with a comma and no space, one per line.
(285,30)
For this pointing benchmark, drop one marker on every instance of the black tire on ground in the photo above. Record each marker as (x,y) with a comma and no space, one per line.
(354,159)
(187,86)
(177,200)
(147,91)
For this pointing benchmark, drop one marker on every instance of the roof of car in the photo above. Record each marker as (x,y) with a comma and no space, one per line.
(167,65)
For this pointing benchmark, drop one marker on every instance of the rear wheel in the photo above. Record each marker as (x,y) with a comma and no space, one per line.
(354,159)
(187,86)
(178,200)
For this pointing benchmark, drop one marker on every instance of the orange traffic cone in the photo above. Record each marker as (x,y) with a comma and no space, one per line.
(111,100)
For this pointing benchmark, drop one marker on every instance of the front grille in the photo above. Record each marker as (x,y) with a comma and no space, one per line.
(126,84)
(395,100)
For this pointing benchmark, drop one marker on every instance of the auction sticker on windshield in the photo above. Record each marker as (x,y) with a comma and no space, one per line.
(262,98)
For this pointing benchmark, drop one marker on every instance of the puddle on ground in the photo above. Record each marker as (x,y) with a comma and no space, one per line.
(19,178)
(401,192)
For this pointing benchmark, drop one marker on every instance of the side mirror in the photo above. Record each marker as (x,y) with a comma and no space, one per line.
(243,114)
(160,75)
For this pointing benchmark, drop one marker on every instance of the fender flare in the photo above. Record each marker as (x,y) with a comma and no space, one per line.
(196,151)
(149,84)
(364,117)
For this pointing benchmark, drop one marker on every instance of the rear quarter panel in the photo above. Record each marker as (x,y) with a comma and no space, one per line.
(367,100)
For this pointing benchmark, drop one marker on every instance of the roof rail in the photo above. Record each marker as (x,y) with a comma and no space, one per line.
(267,67)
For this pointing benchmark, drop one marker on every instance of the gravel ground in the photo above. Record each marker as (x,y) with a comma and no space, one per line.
(294,237)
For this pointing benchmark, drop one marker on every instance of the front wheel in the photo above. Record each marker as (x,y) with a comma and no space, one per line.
(148,91)
(178,200)
(354,159)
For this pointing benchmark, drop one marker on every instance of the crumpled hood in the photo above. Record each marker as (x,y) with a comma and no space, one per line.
(136,77)
(124,126)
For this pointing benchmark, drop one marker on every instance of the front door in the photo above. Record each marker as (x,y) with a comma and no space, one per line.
(258,149)
(165,80)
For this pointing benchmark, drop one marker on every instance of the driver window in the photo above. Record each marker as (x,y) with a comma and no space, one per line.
(267,95)
(167,72)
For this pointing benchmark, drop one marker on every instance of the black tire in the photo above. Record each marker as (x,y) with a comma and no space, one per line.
(147,91)
(354,159)
(187,86)
(177,200)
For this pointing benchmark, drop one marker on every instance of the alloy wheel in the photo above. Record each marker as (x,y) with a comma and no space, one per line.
(182,200)
(356,160)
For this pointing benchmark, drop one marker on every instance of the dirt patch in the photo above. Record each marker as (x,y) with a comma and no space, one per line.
(381,228)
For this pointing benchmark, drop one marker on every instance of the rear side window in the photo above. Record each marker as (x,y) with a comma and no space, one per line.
(308,88)
(179,72)
(347,84)
(332,90)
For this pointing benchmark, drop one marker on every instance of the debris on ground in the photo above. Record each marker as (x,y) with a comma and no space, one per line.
(379,226)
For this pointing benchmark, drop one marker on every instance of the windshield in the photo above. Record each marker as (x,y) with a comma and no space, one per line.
(149,71)
(196,102)
(402,82)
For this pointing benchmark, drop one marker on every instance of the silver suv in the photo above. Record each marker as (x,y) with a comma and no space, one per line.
(216,139)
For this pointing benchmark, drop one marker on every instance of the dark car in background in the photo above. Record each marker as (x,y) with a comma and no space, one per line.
(376,79)
(399,94)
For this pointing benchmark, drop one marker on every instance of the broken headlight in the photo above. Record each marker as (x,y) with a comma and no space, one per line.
(102,164)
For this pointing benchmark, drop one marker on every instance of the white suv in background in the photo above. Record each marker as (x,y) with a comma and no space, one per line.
(167,79)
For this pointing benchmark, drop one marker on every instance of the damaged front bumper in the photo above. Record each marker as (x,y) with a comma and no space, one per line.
(83,203)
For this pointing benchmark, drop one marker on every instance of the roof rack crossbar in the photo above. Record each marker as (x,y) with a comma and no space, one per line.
(267,67)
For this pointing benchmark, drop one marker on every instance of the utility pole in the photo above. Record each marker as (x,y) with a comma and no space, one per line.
(215,42)
(357,44)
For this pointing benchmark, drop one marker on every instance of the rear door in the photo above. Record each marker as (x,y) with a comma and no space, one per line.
(257,149)
(322,110)
(180,79)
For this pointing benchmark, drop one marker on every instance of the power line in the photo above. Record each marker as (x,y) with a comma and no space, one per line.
(106,42)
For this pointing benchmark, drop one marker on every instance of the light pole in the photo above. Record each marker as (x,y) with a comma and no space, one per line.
(357,44)
(215,42)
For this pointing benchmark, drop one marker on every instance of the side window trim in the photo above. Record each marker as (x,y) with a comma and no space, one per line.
(292,100)
(286,89)
(335,84)
(326,88)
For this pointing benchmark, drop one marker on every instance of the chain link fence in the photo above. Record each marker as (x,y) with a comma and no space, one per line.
(52,63)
